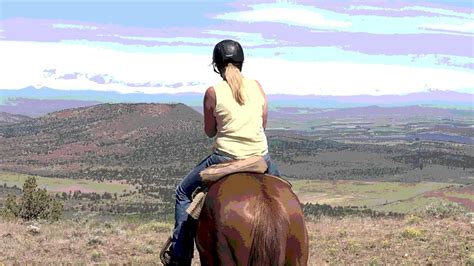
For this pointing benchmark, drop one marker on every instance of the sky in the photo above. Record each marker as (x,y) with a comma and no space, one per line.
(338,47)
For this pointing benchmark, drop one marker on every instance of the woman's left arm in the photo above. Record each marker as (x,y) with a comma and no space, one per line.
(265,106)
(210,124)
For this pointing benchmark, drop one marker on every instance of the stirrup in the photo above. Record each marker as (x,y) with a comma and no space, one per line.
(164,249)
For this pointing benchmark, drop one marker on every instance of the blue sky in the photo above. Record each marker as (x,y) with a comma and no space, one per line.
(137,13)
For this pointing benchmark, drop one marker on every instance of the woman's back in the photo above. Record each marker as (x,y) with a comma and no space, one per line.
(240,132)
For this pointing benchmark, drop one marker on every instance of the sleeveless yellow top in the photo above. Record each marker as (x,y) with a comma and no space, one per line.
(240,132)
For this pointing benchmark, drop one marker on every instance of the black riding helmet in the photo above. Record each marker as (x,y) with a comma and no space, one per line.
(227,51)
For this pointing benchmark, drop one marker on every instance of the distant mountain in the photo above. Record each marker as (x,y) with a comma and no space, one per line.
(132,141)
(39,107)
(434,98)
(405,112)
(24,101)
(37,102)
(7,118)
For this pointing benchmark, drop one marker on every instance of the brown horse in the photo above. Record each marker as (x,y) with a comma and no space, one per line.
(252,219)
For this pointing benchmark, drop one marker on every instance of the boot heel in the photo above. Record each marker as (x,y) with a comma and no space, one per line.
(167,245)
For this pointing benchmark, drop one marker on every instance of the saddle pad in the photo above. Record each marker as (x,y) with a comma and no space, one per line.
(254,164)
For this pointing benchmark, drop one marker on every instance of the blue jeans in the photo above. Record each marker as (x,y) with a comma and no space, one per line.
(185,226)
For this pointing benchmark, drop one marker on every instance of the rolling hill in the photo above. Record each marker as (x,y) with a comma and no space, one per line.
(147,143)
(7,118)
(106,141)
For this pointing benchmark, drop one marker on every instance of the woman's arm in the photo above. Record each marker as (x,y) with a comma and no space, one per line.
(265,107)
(210,125)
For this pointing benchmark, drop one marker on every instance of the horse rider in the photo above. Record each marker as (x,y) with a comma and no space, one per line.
(235,113)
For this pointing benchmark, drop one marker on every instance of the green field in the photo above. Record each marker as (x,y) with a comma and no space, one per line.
(65,184)
(381,196)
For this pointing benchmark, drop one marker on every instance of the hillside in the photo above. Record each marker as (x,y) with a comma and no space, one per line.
(7,118)
(106,141)
(144,143)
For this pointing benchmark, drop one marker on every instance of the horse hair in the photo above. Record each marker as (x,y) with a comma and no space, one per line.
(269,231)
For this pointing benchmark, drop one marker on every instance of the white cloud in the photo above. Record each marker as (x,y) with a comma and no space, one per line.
(73,26)
(319,19)
(467,27)
(438,11)
(345,78)
(250,39)
(294,15)
(23,64)
(165,39)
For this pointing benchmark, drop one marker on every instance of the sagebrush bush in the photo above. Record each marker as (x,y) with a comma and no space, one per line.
(96,255)
(411,232)
(470,260)
(443,209)
(412,219)
(10,208)
(34,203)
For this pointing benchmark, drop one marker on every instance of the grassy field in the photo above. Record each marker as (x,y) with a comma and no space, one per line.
(66,184)
(351,240)
(381,196)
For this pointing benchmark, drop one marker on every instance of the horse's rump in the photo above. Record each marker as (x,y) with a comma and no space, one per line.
(252,219)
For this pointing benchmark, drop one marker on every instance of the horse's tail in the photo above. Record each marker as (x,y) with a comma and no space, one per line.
(269,232)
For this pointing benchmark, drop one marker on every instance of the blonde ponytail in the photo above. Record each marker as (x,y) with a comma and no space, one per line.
(234,79)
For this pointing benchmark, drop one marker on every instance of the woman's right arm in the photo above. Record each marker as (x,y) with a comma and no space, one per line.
(265,107)
(210,124)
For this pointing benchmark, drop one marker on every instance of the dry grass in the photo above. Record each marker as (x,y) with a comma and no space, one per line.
(377,241)
(90,242)
(358,241)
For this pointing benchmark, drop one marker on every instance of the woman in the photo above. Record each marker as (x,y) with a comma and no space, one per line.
(235,113)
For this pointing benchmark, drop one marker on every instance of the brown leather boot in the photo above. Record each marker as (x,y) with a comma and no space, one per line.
(167,260)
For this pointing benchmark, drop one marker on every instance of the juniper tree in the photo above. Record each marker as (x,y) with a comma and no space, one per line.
(34,203)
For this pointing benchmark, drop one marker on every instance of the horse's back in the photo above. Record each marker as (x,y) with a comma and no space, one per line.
(245,210)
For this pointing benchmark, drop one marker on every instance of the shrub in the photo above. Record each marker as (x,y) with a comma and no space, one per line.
(411,232)
(412,219)
(34,203)
(470,260)
(96,255)
(443,209)
(11,208)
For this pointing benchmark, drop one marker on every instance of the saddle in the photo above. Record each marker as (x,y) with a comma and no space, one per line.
(212,174)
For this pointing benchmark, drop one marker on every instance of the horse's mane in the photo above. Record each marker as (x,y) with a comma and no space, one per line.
(269,231)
